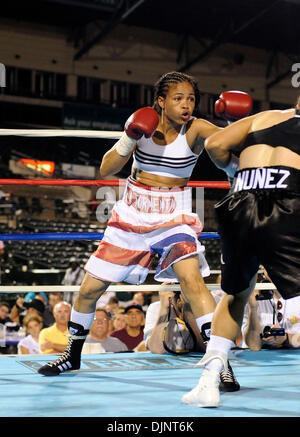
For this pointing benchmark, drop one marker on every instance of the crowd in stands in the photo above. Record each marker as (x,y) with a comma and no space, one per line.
(39,322)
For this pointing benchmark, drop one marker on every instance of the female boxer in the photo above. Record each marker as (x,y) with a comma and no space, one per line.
(258,224)
(154,215)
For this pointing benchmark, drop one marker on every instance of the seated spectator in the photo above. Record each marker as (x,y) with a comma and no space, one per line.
(119,321)
(55,338)
(172,316)
(124,297)
(112,305)
(133,333)
(33,325)
(23,308)
(7,329)
(4,313)
(267,310)
(171,327)
(2,248)
(139,299)
(54,298)
(99,339)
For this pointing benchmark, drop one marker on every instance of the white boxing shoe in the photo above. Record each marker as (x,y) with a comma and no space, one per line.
(206,393)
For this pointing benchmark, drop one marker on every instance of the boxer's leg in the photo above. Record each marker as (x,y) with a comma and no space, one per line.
(226,325)
(82,317)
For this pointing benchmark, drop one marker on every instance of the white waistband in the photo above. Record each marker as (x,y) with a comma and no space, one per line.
(154,200)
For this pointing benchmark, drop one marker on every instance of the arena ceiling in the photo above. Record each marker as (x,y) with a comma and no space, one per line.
(273,25)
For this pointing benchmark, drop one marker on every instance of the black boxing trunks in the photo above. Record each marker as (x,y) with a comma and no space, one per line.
(259,225)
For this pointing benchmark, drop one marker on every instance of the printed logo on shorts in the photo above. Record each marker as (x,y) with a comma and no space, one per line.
(148,203)
(269,178)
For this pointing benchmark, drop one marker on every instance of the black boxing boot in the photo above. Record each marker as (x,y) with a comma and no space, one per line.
(228,381)
(70,359)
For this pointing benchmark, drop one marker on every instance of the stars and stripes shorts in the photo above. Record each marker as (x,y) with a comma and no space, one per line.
(145,222)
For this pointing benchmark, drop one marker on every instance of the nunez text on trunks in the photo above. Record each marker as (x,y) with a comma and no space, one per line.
(268,178)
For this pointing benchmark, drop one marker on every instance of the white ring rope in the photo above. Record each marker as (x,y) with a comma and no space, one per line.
(61,133)
(115,288)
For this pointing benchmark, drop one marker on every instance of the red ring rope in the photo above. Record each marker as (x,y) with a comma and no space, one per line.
(112,183)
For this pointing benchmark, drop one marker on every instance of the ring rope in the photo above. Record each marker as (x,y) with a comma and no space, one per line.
(76,236)
(114,135)
(116,288)
(111,183)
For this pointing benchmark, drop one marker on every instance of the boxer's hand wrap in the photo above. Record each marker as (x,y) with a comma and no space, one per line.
(232,167)
(233,105)
(142,122)
(124,145)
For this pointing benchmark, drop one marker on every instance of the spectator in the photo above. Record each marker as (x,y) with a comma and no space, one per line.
(124,297)
(73,276)
(171,317)
(99,336)
(55,338)
(171,327)
(54,298)
(112,305)
(23,308)
(119,321)
(4,313)
(48,317)
(133,333)
(267,310)
(30,344)
(139,299)
(35,306)
(2,248)
(7,329)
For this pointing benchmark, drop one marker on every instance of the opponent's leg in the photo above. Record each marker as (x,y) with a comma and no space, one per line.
(82,317)
(226,325)
(203,306)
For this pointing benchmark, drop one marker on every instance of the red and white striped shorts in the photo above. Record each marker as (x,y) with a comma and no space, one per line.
(148,221)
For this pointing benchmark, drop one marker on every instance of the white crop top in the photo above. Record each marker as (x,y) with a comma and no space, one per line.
(174,160)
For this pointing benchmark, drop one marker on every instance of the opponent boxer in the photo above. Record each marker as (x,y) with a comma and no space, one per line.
(258,224)
(154,215)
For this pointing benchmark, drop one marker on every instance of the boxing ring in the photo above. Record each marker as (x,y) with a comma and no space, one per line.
(141,388)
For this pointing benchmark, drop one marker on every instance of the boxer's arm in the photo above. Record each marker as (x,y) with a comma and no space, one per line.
(220,145)
(142,122)
(155,333)
(112,163)
(253,329)
(231,106)
(203,130)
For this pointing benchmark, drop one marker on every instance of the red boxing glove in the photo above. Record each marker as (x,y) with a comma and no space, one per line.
(142,122)
(233,105)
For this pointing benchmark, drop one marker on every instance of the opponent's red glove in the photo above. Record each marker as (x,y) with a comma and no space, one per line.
(142,122)
(233,105)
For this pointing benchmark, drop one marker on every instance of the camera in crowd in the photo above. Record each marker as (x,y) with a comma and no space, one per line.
(272,332)
(264,294)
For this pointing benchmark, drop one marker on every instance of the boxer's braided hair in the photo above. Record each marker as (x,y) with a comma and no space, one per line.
(161,87)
